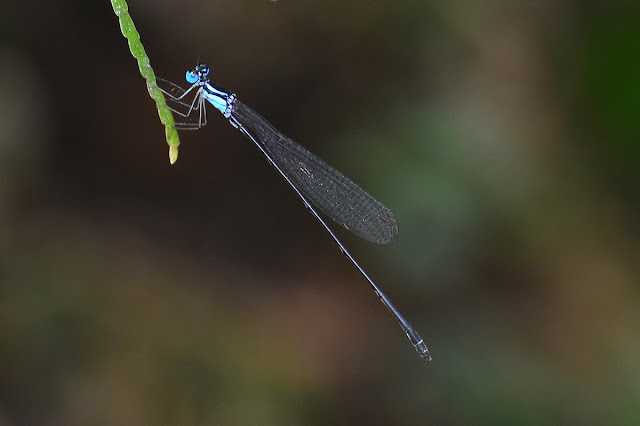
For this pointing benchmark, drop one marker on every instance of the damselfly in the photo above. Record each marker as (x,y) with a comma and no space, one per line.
(316,183)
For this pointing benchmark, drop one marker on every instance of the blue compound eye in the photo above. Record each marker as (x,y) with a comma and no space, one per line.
(191,77)
(204,70)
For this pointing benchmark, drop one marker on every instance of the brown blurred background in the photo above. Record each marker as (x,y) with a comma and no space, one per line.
(505,136)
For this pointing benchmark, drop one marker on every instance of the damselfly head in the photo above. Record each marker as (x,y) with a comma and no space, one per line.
(199,73)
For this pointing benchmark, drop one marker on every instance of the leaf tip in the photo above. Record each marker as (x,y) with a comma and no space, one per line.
(173,154)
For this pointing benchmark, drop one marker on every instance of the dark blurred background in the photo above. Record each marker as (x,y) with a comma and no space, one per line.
(504,135)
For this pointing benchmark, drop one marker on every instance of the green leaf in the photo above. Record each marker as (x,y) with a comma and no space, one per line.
(137,50)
